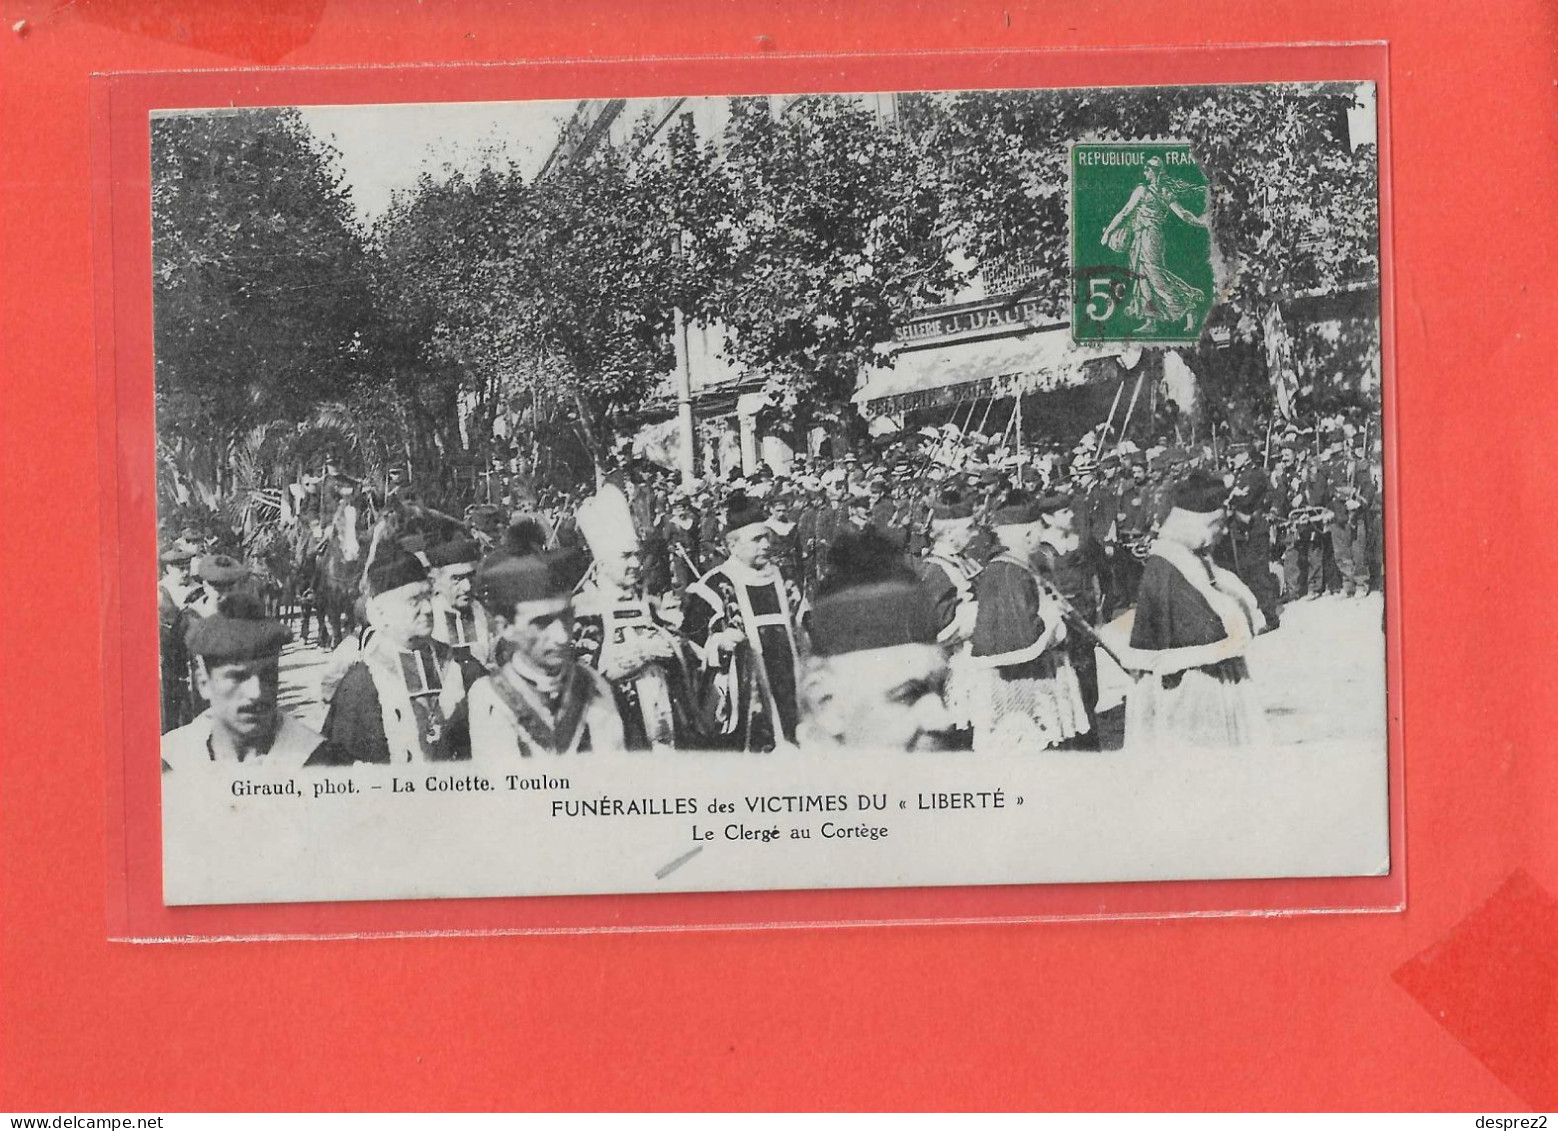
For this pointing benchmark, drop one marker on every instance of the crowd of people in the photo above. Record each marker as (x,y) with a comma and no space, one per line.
(938,590)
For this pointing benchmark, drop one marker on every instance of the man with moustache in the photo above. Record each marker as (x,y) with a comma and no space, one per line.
(235,657)
(452,563)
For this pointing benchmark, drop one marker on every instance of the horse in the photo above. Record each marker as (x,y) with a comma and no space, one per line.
(337,582)
(337,577)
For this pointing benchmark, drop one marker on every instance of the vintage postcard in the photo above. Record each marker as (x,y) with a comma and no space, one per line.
(895,489)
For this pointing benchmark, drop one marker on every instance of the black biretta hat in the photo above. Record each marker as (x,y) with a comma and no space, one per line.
(1201,493)
(870,599)
(742,510)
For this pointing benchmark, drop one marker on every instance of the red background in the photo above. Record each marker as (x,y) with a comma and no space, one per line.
(1298,1012)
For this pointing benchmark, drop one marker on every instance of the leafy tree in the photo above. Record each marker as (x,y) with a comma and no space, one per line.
(551,300)
(261,290)
(1293,205)
(835,232)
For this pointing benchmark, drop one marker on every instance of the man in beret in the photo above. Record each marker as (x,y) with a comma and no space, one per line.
(538,699)
(403,700)
(1031,699)
(220,575)
(876,676)
(1193,626)
(236,655)
(740,621)
(452,563)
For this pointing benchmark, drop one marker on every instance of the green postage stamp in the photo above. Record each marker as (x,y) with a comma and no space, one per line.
(1141,267)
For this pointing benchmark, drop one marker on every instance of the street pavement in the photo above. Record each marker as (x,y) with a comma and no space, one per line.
(301,666)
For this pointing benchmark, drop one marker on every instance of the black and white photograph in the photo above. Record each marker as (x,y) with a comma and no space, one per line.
(893,489)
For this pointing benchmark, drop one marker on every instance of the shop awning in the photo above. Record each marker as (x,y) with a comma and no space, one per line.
(956,372)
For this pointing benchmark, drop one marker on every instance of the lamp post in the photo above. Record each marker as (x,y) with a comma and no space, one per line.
(686,455)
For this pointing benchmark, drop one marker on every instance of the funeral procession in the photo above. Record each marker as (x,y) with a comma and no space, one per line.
(1013,422)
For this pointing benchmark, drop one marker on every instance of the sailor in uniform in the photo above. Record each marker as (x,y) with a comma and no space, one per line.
(403,700)
(621,633)
(1031,698)
(236,655)
(220,575)
(741,624)
(539,699)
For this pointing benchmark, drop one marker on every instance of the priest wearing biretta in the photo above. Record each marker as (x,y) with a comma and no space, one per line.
(451,566)
(1194,624)
(876,676)
(403,700)
(1030,698)
(741,625)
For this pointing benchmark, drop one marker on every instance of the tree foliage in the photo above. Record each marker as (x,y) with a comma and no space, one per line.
(806,233)
(837,230)
(262,295)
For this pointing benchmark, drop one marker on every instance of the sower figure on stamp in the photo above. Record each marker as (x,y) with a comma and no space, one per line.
(1031,699)
(1194,624)
(236,656)
(539,700)
(620,632)
(403,699)
(740,622)
(876,676)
